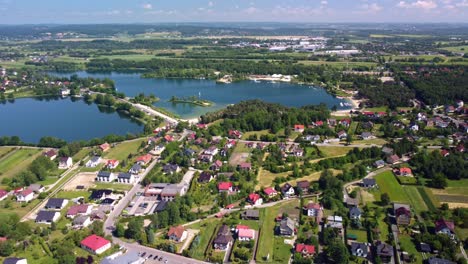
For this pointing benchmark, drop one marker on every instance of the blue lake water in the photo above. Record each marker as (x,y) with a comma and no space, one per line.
(32,118)
(221,94)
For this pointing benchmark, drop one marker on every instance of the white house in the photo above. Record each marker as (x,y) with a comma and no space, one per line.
(65,163)
(125,178)
(93,162)
(81,221)
(25,196)
(47,217)
(105,176)
(287,190)
(112,164)
(95,244)
(177,233)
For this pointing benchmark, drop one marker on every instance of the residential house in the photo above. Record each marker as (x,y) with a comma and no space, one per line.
(158,149)
(250,215)
(435,260)
(444,153)
(65,163)
(112,164)
(297,152)
(93,162)
(245,234)
(303,186)
(445,227)
(15,261)
(168,138)
(235,134)
(47,217)
(135,169)
(177,233)
(124,177)
(367,125)
(100,194)
(225,187)
(311,138)
(299,128)
(205,177)
(245,166)
(230,144)
(355,213)
(387,151)
(369,183)
(392,159)
(144,160)
(366,135)
(189,152)
(335,222)
(405,171)
(131,257)
(287,190)
(36,188)
(314,210)
(414,127)
(287,227)
(270,192)
(359,249)
(171,191)
(379,164)
(331,122)
(95,244)
(342,135)
(105,176)
(81,221)
(255,199)
(305,250)
(25,196)
(426,248)
(351,202)
(223,239)
(3,194)
(171,168)
(384,252)
(216,166)
(402,213)
(104,147)
(79,209)
(345,122)
(56,204)
(51,154)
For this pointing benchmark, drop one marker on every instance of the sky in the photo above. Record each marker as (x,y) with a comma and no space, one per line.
(154,11)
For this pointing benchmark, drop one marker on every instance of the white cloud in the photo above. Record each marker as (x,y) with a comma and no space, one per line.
(210,3)
(420,4)
(324,2)
(372,8)
(251,10)
(147,6)
(113,12)
(463,3)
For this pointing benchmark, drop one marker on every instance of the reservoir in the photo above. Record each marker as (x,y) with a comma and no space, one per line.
(221,94)
(33,118)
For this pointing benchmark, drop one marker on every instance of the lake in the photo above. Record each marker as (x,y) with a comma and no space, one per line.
(221,94)
(33,118)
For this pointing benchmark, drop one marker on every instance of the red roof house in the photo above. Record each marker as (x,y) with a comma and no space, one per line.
(299,128)
(145,159)
(305,250)
(168,138)
(3,195)
(112,164)
(405,171)
(255,199)
(445,227)
(271,192)
(95,244)
(79,209)
(225,186)
(444,153)
(105,147)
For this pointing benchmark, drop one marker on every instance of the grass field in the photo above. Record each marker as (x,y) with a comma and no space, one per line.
(282,251)
(340,64)
(122,150)
(361,235)
(388,184)
(72,194)
(246,135)
(17,162)
(4,151)
(407,245)
(415,198)
(333,151)
(114,186)
(463,49)
(454,194)
(265,177)
(208,226)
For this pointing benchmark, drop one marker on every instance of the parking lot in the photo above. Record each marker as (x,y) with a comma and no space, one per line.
(142,205)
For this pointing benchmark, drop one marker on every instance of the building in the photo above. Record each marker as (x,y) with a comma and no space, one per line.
(287,190)
(112,164)
(135,169)
(384,251)
(15,261)
(270,192)
(434,260)
(250,215)
(205,177)
(124,177)
(342,135)
(25,196)
(100,194)
(170,168)
(245,166)
(81,221)
(369,183)
(105,176)
(93,162)
(314,210)
(131,257)
(245,234)
(36,188)
(223,239)
(225,187)
(51,154)
(287,227)
(104,147)
(445,227)
(392,159)
(216,166)
(79,209)
(254,199)
(379,164)
(355,213)
(65,163)
(402,213)
(95,244)
(405,171)
(305,250)
(177,234)
(56,204)
(303,186)
(144,160)
(359,249)
(299,128)
(47,217)
(3,195)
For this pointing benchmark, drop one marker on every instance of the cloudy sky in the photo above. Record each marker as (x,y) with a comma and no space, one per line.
(147,11)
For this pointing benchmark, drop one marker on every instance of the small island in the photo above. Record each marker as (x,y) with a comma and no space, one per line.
(191,100)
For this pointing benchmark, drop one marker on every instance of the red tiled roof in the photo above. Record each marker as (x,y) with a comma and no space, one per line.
(239,227)
(269,191)
(441,223)
(145,158)
(230,206)
(315,206)
(3,193)
(104,146)
(253,197)
(305,249)
(224,186)
(405,170)
(298,127)
(250,233)
(25,192)
(94,242)
(112,162)
(178,231)
(78,209)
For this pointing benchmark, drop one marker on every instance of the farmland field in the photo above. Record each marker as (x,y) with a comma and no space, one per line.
(388,184)
(122,150)
(415,198)
(17,162)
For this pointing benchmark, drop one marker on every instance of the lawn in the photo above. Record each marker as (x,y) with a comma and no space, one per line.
(72,194)
(265,177)
(122,150)
(282,251)
(114,186)
(258,133)
(388,184)
(81,154)
(242,148)
(333,151)
(17,162)
(457,48)
(208,228)
(408,246)
(361,235)
(10,206)
(415,198)
(4,151)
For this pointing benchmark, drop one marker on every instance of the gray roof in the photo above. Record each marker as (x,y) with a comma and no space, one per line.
(251,213)
(104,174)
(95,159)
(354,211)
(287,223)
(160,207)
(384,250)
(45,216)
(128,258)
(439,261)
(136,167)
(12,260)
(366,134)
(356,245)
(369,181)
(124,175)
(54,203)
(79,220)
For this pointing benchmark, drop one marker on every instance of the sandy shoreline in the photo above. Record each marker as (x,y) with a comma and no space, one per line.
(355,107)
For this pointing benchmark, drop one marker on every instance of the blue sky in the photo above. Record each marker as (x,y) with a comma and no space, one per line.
(148,11)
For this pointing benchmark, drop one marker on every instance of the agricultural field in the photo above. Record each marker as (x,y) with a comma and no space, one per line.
(463,49)
(388,184)
(415,198)
(17,161)
(454,194)
(122,150)
(4,151)
(333,151)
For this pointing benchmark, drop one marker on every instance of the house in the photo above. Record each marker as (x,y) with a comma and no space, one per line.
(235,134)
(144,160)
(303,186)
(434,260)
(81,221)
(105,176)
(335,222)
(254,199)
(351,202)
(112,164)
(64,91)
(245,234)
(158,149)
(177,233)
(297,152)
(37,188)
(287,227)
(223,239)
(345,122)
(225,187)
(392,159)
(414,127)
(93,162)
(405,171)
(366,135)
(305,250)
(384,251)
(299,128)
(104,147)
(287,190)
(314,210)
(426,248)
(160,207)
(47,217)
(25,196)
(270,192)
(445,227)
(231,143)
(359,249)
(205,177)
(387,151)
(15,261)
(189,152)
(355,213)
(3,194)
(170,168)
(135,169)
(379,164)
(65,163)
(168,138)
(444,153)
(216,166)
(56,204)
(311,138)
(171,191)
(211,151)
(369,183)
(131,257)
(342,135)
(124,177)
(331,122)
(402,213)
(250,215)
(245,166)
(95,244)
(51,154)
(100,194)
(79,209)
